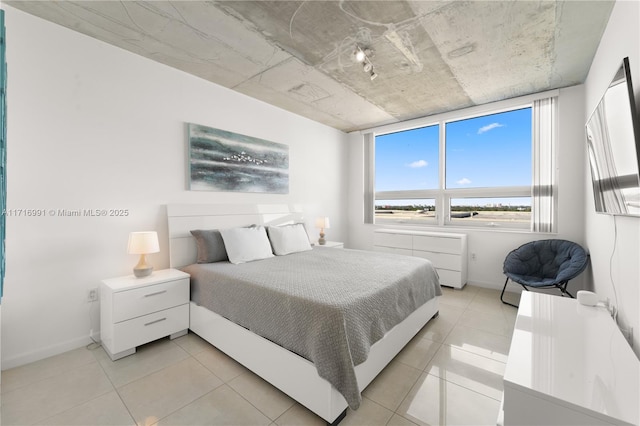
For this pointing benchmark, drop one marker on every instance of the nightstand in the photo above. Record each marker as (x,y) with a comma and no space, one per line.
(135,311)
(332,244)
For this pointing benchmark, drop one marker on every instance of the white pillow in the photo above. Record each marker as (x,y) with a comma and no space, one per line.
(288,239)
(246,244)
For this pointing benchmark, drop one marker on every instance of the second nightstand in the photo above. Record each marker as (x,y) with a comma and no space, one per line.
(135,311)
(333,244)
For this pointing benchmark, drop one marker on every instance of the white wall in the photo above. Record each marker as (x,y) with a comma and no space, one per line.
(492,246)
(615,262)
(92,126)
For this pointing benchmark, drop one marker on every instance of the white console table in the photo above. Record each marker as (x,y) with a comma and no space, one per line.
(569,365)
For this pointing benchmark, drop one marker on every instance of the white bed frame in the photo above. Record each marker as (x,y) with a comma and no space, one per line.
(292,374)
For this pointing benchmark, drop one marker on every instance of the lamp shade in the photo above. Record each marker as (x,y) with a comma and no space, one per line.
(143,243)
(323,222)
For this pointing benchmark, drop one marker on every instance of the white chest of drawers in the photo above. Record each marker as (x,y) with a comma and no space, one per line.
(569,365)
(135,311)
(447,251)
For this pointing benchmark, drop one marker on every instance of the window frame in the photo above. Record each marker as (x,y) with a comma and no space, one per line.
(442,195)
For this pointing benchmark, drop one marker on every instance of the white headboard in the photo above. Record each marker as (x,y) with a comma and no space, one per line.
(182,218)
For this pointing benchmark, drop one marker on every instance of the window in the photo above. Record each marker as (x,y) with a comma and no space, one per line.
(491,211)
(406,164)
(407,160)
(489,151)
(491,170)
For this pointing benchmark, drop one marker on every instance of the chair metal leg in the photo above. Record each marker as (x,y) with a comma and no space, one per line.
(563,288)
(502,294)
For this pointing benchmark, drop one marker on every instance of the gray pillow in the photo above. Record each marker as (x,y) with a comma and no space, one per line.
(210,245)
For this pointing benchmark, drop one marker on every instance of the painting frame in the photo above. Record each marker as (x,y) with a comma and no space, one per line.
(224,161)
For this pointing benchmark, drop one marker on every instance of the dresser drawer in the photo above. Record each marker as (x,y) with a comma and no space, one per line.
(441,260)
(406,252)
(144,329)
(437,244)
(392,240)
(145,300)
(450,278)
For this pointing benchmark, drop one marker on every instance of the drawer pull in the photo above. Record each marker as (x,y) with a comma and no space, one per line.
(155,294)
(156,321)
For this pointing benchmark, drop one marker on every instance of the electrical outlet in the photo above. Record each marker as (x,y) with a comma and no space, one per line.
(473,256)
(92,295)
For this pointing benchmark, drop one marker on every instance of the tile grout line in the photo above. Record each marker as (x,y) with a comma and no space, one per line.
(48,377)
(228,385)
(186,404)
(457,323)
(114,387)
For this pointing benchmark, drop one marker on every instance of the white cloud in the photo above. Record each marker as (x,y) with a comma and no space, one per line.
(463,181)
(418,164)
(488,127)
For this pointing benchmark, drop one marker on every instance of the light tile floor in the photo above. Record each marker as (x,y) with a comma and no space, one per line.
(449,374)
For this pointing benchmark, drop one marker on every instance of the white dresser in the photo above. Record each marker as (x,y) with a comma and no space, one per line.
(447,251)
(569,365)
(135,311)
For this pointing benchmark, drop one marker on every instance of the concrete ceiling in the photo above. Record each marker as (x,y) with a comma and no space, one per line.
(430,56)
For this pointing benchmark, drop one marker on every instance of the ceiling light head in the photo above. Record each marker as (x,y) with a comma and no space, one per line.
(362,54)
(373,75)
(367,66)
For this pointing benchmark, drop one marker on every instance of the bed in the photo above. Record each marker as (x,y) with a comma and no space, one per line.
(260,313)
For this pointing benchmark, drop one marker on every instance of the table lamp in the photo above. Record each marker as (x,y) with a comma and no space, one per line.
(143,243)
(322,223)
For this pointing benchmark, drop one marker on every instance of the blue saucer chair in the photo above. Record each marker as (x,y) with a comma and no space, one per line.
(544,264)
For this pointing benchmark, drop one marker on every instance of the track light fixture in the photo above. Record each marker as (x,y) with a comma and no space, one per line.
(362,55)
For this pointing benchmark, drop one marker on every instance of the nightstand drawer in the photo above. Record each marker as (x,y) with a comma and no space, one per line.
(141,330)
(145,300)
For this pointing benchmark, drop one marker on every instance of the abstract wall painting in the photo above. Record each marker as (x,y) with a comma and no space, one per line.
(227,161)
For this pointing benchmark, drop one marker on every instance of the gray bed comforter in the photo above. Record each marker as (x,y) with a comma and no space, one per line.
(326,305)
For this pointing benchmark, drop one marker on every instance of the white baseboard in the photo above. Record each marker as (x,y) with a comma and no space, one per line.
(511,287)
(42,353)
(517,288)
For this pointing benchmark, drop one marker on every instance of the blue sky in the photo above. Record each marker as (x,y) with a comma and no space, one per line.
(407,160)
(492,150)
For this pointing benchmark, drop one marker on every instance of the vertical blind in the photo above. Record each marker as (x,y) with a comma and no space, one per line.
(369,178)
(543,190)
(3,148)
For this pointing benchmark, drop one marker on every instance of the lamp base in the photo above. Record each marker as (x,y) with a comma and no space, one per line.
(142,272)
(142,269)
(321,240)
